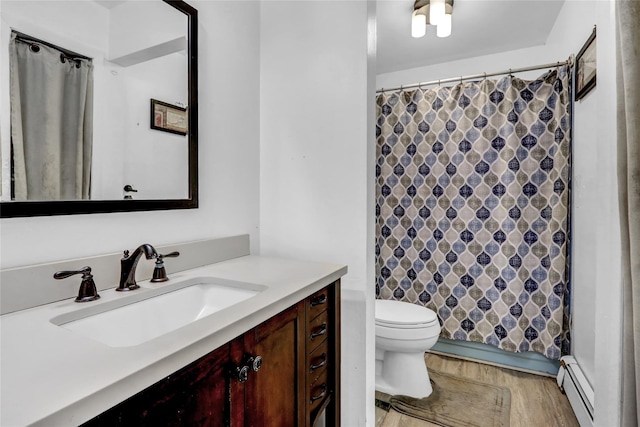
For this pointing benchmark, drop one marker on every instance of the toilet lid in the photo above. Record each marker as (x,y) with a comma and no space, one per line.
(392,312)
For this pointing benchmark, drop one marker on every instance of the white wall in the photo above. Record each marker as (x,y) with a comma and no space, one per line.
(316,175)
(154,161)
(150,157)
(229,160)
(595,251)
(126,150)
(607,301)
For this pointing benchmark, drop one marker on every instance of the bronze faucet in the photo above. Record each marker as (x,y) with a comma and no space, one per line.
(128,266)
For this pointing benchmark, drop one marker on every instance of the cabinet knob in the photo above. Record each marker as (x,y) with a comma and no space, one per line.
(256,363)
(249,363)
(242,373)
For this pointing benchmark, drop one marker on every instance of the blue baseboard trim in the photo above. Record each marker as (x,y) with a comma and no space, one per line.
(528,361)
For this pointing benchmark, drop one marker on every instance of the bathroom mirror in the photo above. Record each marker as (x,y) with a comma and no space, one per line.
(145,102)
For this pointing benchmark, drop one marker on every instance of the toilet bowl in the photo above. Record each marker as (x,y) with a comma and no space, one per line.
(404,332)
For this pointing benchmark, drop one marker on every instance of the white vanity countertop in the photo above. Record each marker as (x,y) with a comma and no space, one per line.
(51,376)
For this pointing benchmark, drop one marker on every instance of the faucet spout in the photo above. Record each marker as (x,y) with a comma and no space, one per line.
(128,265)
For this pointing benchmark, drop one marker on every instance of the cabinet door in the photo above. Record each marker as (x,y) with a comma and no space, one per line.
(272,394)
(192,396)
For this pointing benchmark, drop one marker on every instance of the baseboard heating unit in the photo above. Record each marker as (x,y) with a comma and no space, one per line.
(578,390)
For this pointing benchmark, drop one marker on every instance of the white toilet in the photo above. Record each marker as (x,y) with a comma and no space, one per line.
(404,331)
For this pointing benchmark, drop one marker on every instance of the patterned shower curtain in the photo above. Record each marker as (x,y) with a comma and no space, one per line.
(473,208)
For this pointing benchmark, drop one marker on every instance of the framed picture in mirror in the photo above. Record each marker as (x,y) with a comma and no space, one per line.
(168,118)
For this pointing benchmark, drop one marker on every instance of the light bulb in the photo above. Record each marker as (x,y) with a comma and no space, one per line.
(444,26)
(418,24)
(436,11)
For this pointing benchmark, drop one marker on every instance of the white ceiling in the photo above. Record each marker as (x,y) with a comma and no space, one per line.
(479,27)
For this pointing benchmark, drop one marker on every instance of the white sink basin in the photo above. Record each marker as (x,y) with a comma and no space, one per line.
(152,313)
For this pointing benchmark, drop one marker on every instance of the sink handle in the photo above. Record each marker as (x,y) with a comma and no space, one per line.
(68,273)
(87,291)
(169,255)
(159,272)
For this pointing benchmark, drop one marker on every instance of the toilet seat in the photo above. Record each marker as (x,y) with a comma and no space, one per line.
(404,315)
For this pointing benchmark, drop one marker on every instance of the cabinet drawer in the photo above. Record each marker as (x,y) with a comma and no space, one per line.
(318,331)
(317,303)
(317,361)
(318,392)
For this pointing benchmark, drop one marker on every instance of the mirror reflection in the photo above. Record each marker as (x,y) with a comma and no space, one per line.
(94,101)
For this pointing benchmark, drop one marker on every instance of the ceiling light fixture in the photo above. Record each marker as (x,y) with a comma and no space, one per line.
(431,12)
(436,11)
(418,24)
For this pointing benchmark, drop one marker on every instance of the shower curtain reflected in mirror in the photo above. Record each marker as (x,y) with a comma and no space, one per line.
(51,122)
(473,208)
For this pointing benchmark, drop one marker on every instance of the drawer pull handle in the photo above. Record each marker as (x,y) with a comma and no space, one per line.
(322,331)
(319,300)
(321,395)
(319,365)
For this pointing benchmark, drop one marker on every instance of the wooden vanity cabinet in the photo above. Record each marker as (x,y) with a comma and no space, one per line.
(283,373)
(193,396)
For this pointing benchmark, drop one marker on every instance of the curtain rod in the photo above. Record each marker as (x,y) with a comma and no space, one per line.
(25,38)
(477,76)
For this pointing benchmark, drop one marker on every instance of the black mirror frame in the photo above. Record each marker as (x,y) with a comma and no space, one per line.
(77,207)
